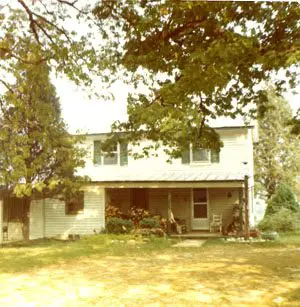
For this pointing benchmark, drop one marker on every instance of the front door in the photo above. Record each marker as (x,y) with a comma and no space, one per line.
(200,218)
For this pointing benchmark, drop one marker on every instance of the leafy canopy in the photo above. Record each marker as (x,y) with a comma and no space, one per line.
(61,28)
(36,152)
(283,198)
(197,60)
(277,154)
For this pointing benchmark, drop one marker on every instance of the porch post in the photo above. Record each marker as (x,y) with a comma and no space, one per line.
(169,210)
(1,219)
(246,187)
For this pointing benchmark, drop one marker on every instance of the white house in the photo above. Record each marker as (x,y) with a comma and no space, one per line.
(195,187)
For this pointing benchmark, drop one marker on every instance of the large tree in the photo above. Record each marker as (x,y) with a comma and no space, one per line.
(62,29)
(277,154)
(37,155)
(198,60)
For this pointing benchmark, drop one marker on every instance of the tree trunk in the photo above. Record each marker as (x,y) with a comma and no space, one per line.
(25,218)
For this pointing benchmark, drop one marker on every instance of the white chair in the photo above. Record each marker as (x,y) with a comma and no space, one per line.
(216,222)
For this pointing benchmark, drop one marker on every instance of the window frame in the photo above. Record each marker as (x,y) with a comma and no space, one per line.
(106,153)
(192,161)
(79,210)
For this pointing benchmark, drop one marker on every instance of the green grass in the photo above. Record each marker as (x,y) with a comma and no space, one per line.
(22,257)
(26,256)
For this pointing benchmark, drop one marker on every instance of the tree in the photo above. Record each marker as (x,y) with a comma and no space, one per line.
(295,124)
(199,60)
(283,198)
(61,28)
(277,154)
(38,156)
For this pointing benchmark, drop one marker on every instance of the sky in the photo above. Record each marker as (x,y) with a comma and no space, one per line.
(86,115)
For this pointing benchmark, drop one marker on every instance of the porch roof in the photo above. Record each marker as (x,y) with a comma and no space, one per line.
(147,175)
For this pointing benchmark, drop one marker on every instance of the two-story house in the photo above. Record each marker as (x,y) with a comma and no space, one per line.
(195,187)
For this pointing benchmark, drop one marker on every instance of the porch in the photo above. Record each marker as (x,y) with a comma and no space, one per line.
(192,206)
(12,213)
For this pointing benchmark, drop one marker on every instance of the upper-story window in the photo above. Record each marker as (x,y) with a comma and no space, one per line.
(200,155)
(117,156)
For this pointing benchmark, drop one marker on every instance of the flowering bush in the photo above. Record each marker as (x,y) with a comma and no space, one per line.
(137,214)
(112,211)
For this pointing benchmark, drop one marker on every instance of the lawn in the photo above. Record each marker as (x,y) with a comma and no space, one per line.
(117,271)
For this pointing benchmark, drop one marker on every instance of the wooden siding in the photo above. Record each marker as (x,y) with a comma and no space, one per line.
(158,201)
(119,198)
(56,222)
(222,201)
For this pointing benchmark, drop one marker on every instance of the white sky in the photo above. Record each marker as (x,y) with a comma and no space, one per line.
(92,115)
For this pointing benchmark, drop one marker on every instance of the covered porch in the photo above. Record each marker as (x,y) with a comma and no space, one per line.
(192,204)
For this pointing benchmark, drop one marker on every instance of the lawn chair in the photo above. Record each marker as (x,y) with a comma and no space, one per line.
(216,223)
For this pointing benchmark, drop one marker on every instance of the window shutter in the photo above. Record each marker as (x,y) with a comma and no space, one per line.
(185,158)
(97,152)
(215,156)
(123,154)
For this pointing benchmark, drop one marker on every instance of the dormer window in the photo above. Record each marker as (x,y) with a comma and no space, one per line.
(194,155)
(117,156)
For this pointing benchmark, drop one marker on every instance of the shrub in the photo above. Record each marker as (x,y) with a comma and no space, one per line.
(283,198)
(149,222)
(137,214)
(282,220)
(112,211)
(118,225)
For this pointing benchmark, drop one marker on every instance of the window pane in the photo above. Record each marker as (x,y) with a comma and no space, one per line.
(200,211)
(110,158)
(200,154)
(75,203)
(97,152)
(200,196)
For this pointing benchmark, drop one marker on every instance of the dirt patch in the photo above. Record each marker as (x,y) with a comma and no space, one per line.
(206,276)
(190,243)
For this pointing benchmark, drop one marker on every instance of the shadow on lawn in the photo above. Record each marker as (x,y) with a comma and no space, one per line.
(21,256)
(153,272)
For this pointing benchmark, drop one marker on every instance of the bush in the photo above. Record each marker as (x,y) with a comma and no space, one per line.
(137,214)
(118,225)
(113,211)
(149,223)
(283,198)
(282,220)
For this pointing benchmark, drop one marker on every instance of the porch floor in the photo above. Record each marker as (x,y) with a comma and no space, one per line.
(197,235)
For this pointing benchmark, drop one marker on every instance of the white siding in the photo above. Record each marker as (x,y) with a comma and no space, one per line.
(56,222)
(221,201)
(237,149)
(36,220)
